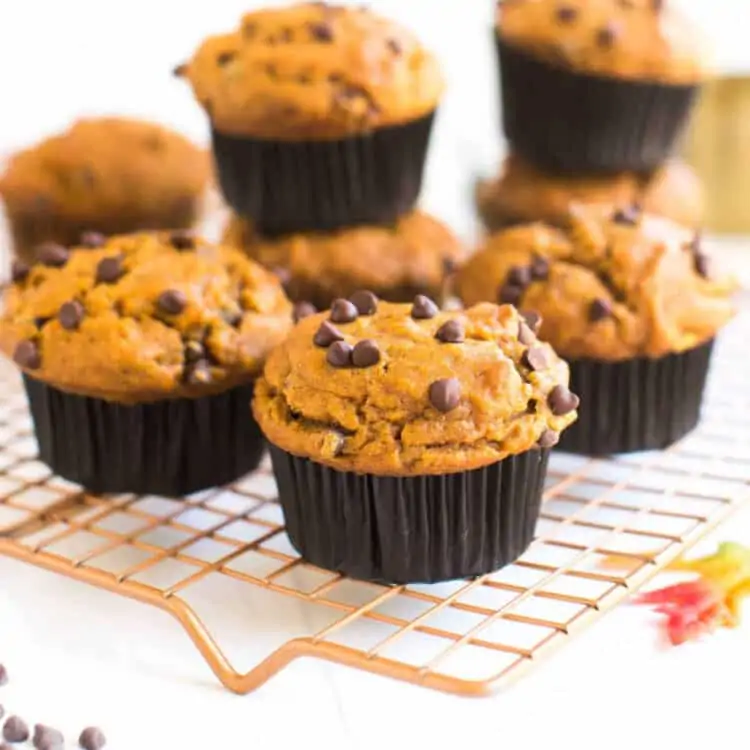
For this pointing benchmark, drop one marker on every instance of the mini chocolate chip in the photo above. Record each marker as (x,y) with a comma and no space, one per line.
(53,255)
(92,738)
(562,401)
(525,334)
(510,294)
(445,394)
(194,351)
(27,356)
(172,301)
(182,240)
(395,46)
(232,317)
(533,319)
(4,679)
(365,353)
(423,308)
(92,240)
(599,309)
(198,372)
(539,268)
(71,314)
(343,311)
(566,13)
(303,310)
(224,58)
(179,70)
(321,32)
(326,335)
(607,35)
(628,216)
(451,332)
(109,270)
(519,276)
(15,730)
(535,358)
(702,264)
(365,302)
(19,271)
(40,322)
(47,738)
(548,439)
(339,354)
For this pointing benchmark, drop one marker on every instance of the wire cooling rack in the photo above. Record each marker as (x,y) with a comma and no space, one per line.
(464,637)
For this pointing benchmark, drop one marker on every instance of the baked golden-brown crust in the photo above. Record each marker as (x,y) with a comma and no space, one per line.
(106,174)
(413,256)
(313,71)
(641,40)
(609,288)
(142,317)
(521,193)
(424,406)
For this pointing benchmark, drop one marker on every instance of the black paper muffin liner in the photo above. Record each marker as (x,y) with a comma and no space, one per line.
(636,405)
(573,122)
(285,187)
(417,529)
(171,447)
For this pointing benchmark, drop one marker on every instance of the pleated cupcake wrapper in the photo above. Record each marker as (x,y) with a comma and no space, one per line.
(171,447)
(637,404)
(411,529)
(285,187)
(572,122)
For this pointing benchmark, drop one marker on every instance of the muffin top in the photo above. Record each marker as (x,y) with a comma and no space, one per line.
(394,389)
(142,317)
(642,40)
(415,253)
(313,71)
(522,193)
(107,169)
(615,285)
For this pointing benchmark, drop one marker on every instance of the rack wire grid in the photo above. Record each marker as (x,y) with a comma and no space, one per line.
(465,637)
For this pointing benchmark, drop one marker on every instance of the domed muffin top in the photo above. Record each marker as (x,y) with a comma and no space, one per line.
(141,317)
(395,389)
(313,71)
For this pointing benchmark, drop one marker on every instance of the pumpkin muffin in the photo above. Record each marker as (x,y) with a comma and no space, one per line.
(416,255)
(521,193)
(320,114)
(411,444)
(597,85)
(632,301)
(139,354)
(108,175)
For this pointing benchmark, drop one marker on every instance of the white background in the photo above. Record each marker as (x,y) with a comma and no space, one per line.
(81,656)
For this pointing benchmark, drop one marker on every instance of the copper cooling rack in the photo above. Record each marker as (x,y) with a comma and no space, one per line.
(465,637)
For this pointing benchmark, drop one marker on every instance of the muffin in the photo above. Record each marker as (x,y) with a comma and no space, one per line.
(416,255)
(138,355)
(320,115)
(597,85)
(411,444)
(522,193)
(107,175)
(632,301)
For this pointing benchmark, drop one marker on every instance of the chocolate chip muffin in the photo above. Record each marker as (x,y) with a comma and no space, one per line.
(597,85)
(416,255)
(320,115)
(108,175)
(411,444)
(634,303)
(139,355)
(522,193)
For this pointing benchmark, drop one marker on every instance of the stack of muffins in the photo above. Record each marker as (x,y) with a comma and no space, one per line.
(320,119)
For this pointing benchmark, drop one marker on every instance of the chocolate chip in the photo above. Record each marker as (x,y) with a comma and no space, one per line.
(562,401)
(171,301)
(445,394)
(19,271)
(702,264)
(539,268)
(4,679)
(451,332)
(182,240)
(365,353)
(519,276)
(525,334)
(423,308)
(27,356)
(232,317)
(566,13)
(303,310)
(339,354)
(53,255)
(607,35)
(224,58)
(548,439)
(47,738)
(109,270)
(70,315)
(599,309)
(198,372)
(179,70)
(533,319)
(343,311)
(365,302)
(92,240)
(510,294)
(628,216)
(92,738)
(321,32)
(535,358)
(395,46)
(15,730)
(194,351)
(326,335)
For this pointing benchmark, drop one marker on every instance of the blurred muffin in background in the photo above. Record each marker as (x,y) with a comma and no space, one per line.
(104,175)
(523,193)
